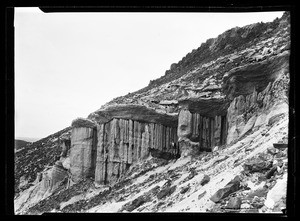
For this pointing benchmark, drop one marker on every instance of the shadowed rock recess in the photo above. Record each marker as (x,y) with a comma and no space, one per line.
(211,135)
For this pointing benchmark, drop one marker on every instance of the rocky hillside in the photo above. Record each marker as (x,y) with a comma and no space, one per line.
(36,157)
(228,101)
(201,72)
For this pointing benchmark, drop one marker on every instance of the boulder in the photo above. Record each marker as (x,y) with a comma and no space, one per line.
(205,180)
(185,189)
(259,192)
(231,187)
(280,145)
(134,204)
(276,197)
(257,165)
(271,172)
(234,203)
(166,192)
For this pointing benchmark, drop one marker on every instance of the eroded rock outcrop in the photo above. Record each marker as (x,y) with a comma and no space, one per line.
(246,113)
(83,147)
(206,131)
(124,142)
(229,88)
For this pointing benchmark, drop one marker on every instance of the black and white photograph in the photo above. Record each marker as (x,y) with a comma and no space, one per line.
(151,112)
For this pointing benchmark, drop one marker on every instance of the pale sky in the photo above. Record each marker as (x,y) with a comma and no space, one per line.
(69,64)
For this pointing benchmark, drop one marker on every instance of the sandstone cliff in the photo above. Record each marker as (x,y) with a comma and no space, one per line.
(209,135)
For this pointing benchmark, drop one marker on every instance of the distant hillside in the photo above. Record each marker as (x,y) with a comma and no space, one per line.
(20,143)
(28,139)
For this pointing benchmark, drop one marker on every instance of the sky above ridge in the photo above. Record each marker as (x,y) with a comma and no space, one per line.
(67,65)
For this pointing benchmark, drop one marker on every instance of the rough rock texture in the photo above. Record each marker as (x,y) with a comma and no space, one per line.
(36,157)
(184,124)
(258,109)
(230,187)
(83,122)
(207,131)
(134,112)
(241,75)
(82,154)
(234,203)
(58,175)
(123,142)
(276,197)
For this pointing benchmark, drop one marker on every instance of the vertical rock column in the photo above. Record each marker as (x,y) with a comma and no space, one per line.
(217,131)
(82,149)
(101,162)
(123,142)
(184,124)
(208,131)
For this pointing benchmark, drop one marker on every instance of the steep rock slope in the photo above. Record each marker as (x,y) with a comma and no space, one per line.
(35,158)
(242,77)
(224,67)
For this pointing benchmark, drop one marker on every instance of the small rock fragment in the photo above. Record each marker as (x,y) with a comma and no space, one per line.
(184,189)
(201,195)
(205,180)
(271,172)
(231,187)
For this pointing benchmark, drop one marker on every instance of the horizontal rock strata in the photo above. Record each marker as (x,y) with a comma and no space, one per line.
(134,112)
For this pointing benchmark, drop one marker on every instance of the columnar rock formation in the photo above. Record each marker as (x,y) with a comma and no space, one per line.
(207,131)
(105,151)
(83,147)
(123,142)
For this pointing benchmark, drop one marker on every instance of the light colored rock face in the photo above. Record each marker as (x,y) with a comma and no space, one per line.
(257,109)
(58,175)
(260,120)
(276,197)
(249,125)
(123,142)
(82,152)
(277,110)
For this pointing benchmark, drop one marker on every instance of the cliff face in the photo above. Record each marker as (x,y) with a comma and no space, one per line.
(212,110)
(122,143)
